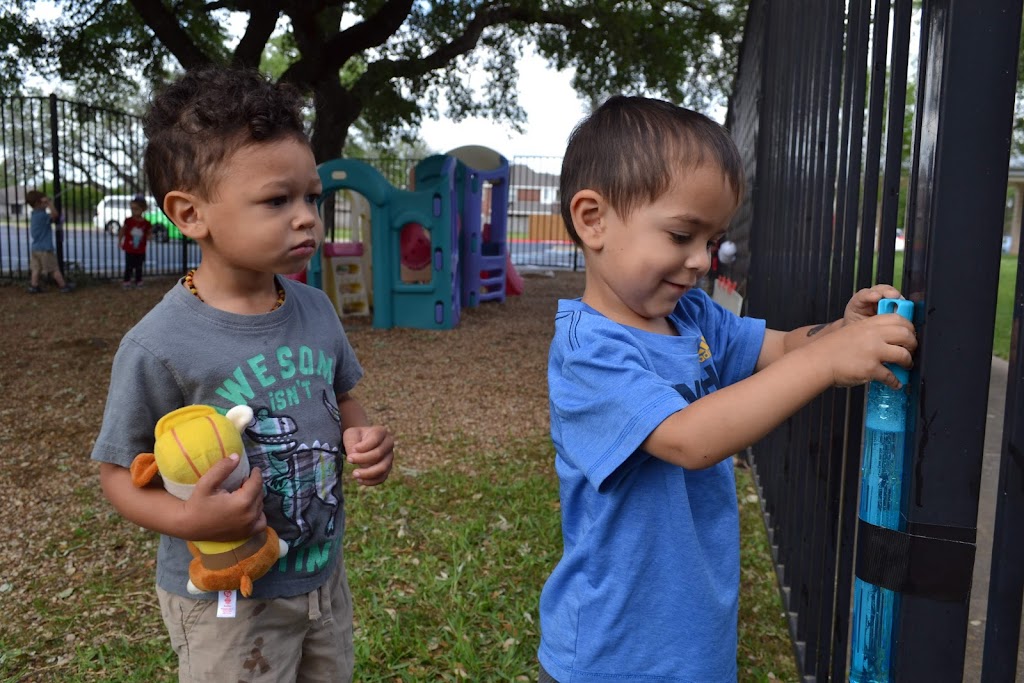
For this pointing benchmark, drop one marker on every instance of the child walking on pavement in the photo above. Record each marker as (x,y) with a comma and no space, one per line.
(43,259)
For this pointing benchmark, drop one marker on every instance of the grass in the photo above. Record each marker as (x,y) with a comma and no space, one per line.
(1004,301)
(445,568)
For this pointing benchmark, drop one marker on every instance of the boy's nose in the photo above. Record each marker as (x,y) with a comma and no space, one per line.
(700,260)
(308,217)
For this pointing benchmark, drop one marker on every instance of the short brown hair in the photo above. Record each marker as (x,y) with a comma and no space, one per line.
(195,123)
(33,197)
(630,149)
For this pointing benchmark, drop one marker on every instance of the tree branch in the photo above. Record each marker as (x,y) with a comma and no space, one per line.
(369,33)
(262,21)
(327,58)
(169,32)
(384,70)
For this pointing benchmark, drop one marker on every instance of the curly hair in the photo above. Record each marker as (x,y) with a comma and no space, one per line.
(630,150)
(198,121)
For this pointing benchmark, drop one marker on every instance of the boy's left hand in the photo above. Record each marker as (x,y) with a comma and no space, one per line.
(371,449)
(864,303)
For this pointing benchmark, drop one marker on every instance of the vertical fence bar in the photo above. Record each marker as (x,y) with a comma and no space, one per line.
(831,425)
(801,16)
(892,180)
(963,121)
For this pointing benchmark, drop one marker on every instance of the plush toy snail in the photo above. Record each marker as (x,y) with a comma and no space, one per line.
(189,441)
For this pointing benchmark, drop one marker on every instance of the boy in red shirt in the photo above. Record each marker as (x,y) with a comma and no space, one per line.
(133,236)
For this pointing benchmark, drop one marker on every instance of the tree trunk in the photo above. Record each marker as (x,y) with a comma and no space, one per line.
(336,110)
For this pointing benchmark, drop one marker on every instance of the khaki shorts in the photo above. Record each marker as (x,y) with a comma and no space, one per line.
(304,638)
(43,262)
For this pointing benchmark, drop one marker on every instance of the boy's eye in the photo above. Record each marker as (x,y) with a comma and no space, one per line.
(678,238)
(313,198)
(278,201)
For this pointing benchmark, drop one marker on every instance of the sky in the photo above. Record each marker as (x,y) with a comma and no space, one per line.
(552,109)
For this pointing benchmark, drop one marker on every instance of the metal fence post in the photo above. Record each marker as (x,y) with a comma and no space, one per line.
(957,194)
(58,201)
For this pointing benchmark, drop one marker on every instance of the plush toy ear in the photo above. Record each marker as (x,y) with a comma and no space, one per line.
(143,469)
(240,416)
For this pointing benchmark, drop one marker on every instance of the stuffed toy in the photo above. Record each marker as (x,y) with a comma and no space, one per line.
(189,441)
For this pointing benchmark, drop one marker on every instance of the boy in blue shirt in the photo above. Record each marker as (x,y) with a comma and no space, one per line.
(43,259)
(653,387)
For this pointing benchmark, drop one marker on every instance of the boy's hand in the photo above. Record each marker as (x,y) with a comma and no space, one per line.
(856,352)
(864,303)
(213,514)
(372,450)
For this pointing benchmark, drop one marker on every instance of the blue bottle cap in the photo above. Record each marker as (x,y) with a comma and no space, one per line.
(904,308)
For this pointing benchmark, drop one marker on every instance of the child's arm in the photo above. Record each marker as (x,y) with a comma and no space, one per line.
(862,305)
(211,514)
(369,447)
(726,421)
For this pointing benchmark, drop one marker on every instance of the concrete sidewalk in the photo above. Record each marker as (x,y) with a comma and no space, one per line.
(986,523)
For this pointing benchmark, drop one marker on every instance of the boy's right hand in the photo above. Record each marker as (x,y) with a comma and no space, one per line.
(214,514)
(856,353)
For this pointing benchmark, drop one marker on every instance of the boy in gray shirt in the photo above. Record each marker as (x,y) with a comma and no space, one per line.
(231,166)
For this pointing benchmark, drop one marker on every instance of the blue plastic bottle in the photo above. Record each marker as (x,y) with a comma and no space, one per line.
(885,425)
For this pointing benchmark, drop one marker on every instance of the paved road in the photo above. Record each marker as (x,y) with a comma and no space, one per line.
(97,253)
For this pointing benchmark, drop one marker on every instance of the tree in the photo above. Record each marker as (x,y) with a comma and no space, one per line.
(392,62)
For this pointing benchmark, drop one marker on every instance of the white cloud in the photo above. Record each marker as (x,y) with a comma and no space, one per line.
(552,109)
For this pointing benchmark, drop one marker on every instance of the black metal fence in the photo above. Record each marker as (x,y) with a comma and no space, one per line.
(820,107)
(80,154)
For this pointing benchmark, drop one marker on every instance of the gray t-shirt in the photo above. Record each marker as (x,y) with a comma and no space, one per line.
(287,365)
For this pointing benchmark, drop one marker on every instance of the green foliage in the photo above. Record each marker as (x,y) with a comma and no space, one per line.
(26,45)
(390,63)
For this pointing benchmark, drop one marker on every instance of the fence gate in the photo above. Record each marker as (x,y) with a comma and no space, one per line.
(846,143)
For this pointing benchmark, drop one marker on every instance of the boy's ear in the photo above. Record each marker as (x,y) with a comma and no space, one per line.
(588,209)
(183,209)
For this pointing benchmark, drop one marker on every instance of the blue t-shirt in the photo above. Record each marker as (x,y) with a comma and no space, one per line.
(647,586)
(40,230)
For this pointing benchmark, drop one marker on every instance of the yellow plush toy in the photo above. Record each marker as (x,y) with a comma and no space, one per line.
(189,441)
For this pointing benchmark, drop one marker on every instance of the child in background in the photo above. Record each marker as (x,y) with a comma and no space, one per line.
(653,387)
(43,259)
(230,162)
(133,236)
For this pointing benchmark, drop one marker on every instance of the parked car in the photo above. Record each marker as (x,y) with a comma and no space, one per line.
(113,209)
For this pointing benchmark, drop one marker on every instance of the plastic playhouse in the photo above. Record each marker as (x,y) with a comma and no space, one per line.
(415,257)
(422,293)
(485,260)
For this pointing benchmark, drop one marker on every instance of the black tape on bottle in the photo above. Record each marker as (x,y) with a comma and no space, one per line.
(915,564)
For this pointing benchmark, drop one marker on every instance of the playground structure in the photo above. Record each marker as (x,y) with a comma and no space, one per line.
(486,264)
(432,300)
(417,256)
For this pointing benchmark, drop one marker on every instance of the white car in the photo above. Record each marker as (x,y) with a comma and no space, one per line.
(113,209)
